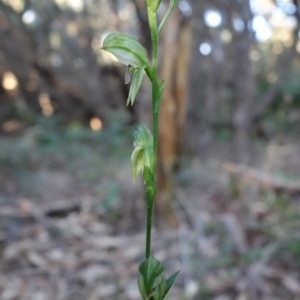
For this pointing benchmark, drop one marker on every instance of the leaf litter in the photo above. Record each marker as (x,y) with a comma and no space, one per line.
(228,245)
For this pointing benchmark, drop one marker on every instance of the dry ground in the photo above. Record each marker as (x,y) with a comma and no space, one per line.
(71,222)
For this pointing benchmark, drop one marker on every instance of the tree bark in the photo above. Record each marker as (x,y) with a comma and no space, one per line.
(213,91)
(243,86)
(176,41)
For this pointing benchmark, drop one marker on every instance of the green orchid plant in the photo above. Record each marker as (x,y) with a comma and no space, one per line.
(152,282)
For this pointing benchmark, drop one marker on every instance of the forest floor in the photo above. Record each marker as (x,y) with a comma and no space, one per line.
(72,221)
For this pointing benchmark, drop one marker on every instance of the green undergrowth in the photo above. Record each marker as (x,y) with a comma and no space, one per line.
(71,155)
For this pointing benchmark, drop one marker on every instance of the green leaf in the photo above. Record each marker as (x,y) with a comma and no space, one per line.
(151,269)
(142,287)
(160,288)
(135,85)
(142,137)
(170,282)
(137,161)
(126,49)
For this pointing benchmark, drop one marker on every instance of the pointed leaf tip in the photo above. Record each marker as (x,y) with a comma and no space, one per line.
(170,282)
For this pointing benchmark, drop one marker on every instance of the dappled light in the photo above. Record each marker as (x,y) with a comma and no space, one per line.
(72,29)
(262,28)
(95,124)
(287,6)
(55,60)
(185,8)
(277,48)
(205,48)
(226,36)
(264,7)
(29,17)
(238,24)
(55,40)
(290,8)
(213,18)
(9,81)
(17,5)
(11,125)
(76,5)
(45,104)
(280,20)
(298,47)
(124,14)
(96,44)
(255,55)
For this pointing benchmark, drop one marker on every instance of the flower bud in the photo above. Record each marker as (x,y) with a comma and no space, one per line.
(142,136)
(142,155)
(137,161)
(126,49)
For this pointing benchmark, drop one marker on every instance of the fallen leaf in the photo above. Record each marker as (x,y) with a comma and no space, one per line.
(36,260)
(93,273)
(291,284)
(12,290)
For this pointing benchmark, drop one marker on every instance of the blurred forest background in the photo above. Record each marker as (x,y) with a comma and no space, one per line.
(228,206)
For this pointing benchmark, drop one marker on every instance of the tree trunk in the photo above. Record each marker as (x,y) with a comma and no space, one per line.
(176,41)
(213,91)
(243,87)
(197,83)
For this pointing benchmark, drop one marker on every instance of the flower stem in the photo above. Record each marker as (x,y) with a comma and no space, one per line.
(150,200)
(166,17)
(156,94)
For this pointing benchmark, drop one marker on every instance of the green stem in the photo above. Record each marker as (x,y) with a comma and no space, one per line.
(166,17)
(155,109)
(155,84)
(150,199)
(148,71)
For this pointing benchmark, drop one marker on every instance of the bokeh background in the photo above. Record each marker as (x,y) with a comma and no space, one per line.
(228,207)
